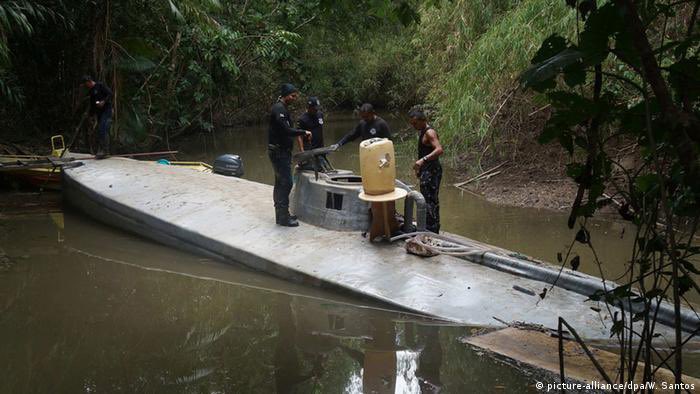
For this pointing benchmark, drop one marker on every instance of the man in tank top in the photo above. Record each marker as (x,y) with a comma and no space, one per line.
(428,168)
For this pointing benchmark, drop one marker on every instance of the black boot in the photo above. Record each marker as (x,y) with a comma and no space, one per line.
(284,219)
(288,222)
(102,148)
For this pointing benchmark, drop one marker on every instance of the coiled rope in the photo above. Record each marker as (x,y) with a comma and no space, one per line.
(447,245)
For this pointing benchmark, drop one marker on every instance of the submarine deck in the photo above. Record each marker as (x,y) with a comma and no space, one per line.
(232,219)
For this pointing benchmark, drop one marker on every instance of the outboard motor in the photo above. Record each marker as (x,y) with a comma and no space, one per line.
(229,165)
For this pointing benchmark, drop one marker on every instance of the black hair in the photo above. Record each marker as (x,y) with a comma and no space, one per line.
(86,78)
(418,114)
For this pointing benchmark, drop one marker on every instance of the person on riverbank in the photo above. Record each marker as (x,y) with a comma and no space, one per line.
(101,109)
(371,126)
(279,149)
(428,168)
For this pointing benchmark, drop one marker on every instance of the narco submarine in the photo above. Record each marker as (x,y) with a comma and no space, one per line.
(230,219)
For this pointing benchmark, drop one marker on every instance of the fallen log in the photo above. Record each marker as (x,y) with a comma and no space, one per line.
(464,189)
(489,176)
(470,180)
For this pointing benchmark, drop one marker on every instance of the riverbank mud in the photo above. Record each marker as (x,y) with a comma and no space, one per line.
(524,173)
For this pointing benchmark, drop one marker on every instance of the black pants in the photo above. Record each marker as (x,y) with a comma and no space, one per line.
(430,176)
(282,164)
(104,121)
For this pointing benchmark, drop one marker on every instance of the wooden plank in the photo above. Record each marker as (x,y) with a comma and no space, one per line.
(541,350)
(15,167)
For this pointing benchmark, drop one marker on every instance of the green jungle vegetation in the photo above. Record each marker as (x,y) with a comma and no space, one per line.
(188,66)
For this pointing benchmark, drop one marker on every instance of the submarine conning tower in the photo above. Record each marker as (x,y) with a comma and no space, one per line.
(330,198)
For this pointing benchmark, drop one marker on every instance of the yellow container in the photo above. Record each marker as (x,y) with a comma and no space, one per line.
(378,170)
(57,146)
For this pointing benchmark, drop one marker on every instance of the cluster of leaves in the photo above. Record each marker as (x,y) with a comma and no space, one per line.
(589,121)
(18,18)
(181,65)
(631,78)
(377,66)
(208,61)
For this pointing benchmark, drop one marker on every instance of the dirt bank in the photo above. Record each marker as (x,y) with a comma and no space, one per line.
(528,174)
(528,187)
(532,175)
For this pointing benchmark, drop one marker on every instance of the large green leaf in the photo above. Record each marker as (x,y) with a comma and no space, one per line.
(575,74)
(600,26)
(550,47)
(540,75)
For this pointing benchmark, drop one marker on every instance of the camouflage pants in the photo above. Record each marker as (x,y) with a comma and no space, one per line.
(430,177)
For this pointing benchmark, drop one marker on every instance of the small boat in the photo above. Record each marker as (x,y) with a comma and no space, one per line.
(44,172)
(231,219)
(28,169)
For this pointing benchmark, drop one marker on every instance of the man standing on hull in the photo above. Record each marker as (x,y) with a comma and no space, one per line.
(428,168)
(311,120)
(279,149)
(371,126)
(101,108)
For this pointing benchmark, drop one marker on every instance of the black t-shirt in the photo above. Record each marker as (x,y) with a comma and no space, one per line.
(313,123)
(375,128)
(281,132)
(100,92)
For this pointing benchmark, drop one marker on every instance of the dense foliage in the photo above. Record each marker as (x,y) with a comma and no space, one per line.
(188,65)
(629,81)
(182,65)
(473,52)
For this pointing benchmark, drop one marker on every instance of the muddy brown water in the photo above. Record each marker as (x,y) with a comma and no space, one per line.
(88,308)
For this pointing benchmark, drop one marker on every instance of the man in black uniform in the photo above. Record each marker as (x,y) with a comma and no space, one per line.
(428,168)
(280,137)
(312,120)
(101,108)
(370,126)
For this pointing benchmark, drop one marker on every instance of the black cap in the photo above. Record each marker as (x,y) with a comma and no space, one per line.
(367,107)
(287,88)
(85,78)
(313,101)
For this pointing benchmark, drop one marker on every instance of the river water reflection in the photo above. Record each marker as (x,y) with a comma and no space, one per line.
(86,308)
